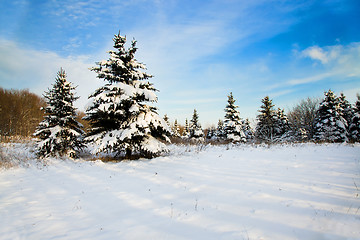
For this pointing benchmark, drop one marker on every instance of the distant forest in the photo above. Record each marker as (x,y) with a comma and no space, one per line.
(20,113)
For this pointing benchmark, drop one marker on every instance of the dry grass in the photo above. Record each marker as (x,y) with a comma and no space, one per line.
(15,154)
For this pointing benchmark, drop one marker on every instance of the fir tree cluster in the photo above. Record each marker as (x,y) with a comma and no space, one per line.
(334,120)
(121,116)
(123,120)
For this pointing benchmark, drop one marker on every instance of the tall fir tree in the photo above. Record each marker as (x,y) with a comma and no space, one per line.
(354,126)
(232,122)
(330,126)
(59,132)
(347,111)
(265,130)
(121,114)
(196,131)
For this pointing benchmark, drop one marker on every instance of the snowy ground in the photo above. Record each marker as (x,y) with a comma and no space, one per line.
(284,192)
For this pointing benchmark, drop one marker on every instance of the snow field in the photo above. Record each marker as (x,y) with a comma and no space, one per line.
(215,192)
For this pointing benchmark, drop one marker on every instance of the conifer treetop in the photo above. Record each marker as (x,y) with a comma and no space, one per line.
(121,65)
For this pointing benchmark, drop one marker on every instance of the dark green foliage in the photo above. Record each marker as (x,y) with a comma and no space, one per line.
(59,132)
(121,119)
(196,131)
(266,121)
(330,126)
(232,122)
(354,126)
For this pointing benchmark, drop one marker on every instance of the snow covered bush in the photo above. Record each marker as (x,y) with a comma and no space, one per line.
(59,132)
(330,126)
(120,115)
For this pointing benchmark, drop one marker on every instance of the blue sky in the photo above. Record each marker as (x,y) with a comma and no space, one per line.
(198,51)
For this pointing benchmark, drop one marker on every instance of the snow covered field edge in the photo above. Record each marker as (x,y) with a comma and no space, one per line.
(303,191)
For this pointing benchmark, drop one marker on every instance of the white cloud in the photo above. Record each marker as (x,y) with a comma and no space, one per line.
(341,61)
(36,70)
(316,53)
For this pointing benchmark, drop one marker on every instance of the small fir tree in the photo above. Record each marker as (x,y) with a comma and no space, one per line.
(196,131)
(330,125)
(282,129)
(121,116)
(266,119)
(176,129)
(59,132)
(186,132)
(232,122)
(248,131)
(220,129)
(211,133)
(354,126)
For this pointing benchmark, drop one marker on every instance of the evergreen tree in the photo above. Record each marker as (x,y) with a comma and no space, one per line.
(196,131)
(248,131)
(186,132)
(59,132)
(354,126)
(282,129)
(266,119)
(347,111)
(211,133)
(232,122)
(176,129)
(121,117)
(330,125)
(220,129)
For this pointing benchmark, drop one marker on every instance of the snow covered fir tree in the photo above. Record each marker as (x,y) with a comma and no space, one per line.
(354,125)
(248,131)
(195,130)
(265,130)
(220,129)
(186,132)
(176,129)
(282,130)
(121,115)
(59,132)
(330,126)
(232,123)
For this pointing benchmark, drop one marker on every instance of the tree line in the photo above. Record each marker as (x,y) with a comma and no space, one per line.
(332,119)
(121,120)
(20,112)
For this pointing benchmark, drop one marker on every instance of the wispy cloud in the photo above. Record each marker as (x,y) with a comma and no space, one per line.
(36,70)
(324,55)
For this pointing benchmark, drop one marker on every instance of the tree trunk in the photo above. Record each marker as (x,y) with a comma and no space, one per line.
(128,153)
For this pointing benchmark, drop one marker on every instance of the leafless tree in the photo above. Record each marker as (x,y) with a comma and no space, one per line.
(302,116)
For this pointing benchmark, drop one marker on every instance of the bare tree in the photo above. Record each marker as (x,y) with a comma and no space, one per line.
(20,112)
(302,116)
